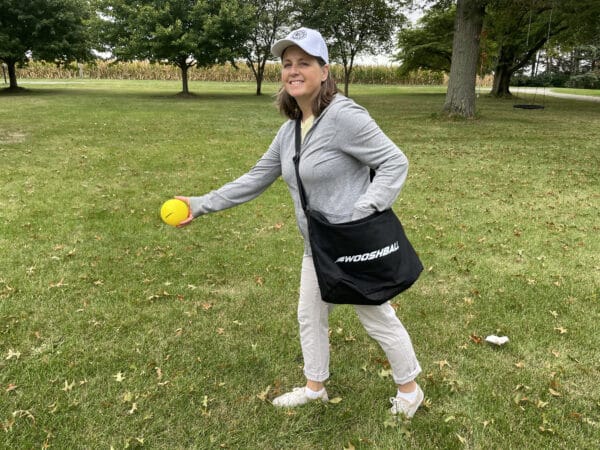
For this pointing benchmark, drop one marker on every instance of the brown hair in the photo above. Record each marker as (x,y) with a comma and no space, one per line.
(289,107)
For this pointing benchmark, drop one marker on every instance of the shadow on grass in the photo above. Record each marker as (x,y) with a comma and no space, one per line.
(14,91)
(151,95)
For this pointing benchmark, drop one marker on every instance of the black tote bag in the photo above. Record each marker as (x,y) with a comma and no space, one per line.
(366,261)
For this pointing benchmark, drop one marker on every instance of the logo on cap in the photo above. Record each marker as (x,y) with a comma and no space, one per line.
(299,35)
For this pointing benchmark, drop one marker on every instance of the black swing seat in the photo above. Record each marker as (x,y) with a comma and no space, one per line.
(528,106)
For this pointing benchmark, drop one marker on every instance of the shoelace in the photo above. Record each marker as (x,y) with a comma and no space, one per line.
(398,403)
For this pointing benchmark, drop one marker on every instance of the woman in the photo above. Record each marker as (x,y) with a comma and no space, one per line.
(340,143)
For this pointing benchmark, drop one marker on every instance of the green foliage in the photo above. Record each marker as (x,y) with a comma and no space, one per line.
(588,80)
(184,33)
(270,19)
(50,30)
(428,45)
(542,79)
(118,331)
(352,27)
(54,30)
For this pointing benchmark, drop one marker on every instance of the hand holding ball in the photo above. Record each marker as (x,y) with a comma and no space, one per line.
(174,211)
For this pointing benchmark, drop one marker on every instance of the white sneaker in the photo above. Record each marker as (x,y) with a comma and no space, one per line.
(402,406)
(297,397)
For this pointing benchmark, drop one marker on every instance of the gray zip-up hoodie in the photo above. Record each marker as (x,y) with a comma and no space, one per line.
(343,143)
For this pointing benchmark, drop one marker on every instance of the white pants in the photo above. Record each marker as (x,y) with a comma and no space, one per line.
(380,322)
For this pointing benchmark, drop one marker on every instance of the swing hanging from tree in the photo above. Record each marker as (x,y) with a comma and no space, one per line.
(533,104)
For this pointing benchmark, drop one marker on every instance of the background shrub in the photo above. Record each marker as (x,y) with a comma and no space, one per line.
(590,80)
(544,79)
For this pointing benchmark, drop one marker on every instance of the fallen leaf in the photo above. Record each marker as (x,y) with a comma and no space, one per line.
(390,423)
(554,393)
(561,330)
(443,363)
(461,439)
(520,398)
(23,413)
(11,387)
(554,314)
(68,387)
(263,394)
(204,409)
(350,446)
(61,283)
(133,408)
(119,377)
(335,400)
(13,354)
(475,339)
(543,429)
(385,373)
(520,365)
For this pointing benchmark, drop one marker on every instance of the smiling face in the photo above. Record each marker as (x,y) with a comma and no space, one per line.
(302,76)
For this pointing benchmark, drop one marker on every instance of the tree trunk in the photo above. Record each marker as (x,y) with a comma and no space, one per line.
(460,97)
(346,79)
(258,71)
(12,75)
(503,72)
(259,80)
(260,76)
(502,76)
(184,79)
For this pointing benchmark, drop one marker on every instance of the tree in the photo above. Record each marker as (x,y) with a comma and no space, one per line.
(270,17)
(460,96)
(184,33)
(429,44)
(522,27)
(42,29)
(352,27)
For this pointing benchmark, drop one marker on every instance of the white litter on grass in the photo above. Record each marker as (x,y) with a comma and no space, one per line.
(497,340)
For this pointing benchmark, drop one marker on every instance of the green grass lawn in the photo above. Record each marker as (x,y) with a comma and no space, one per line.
(119,331)
(593,92)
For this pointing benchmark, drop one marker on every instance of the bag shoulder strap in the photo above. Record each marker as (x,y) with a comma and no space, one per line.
(301,191)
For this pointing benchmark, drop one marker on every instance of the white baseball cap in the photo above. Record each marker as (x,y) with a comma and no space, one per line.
(307,39)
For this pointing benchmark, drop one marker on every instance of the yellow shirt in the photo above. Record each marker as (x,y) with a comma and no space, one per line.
(305,126)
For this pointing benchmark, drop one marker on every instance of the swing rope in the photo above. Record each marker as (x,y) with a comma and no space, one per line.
(533,105)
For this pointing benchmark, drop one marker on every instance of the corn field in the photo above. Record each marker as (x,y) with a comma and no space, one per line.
(143,70)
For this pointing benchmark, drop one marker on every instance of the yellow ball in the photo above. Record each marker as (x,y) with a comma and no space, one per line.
(174,211)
